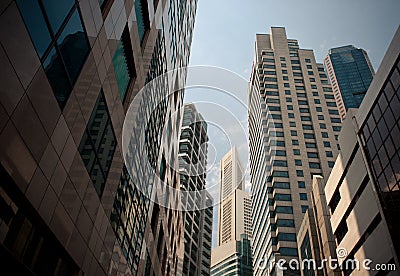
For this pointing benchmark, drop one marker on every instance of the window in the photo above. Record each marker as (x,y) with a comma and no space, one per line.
(289,100)
(287,92)
(312,154)
(305,118)
(317,101)
(280,163)
(331,104)
(301,184)
(299,173)
(303,102)
(329,154)
(304,208)
(269,66)
(303,196)
(311,145)
(334,201)
(307,127)
(283,197)
(284,209)
(313,86)
(329,96)
(270,72)
(63,54)
(98,144)
(341,231)
(274,108)
(286,84)
(286,78)
(322,126)
(292,124)
(297,74)
(142,18)
(295,142)
(271,79)
(290,107)
(333,112)
(321,117)
(318,109)
(268,60)
(324,134)
(281,185)
(272,93)
(285,223)
(291,115)
(308,60)
(296,151)
(310,73)
(286,236)
(312,79)
(314,165)
(293,133)
(283,65)
(309,136)
(124,64)
(327,144)
(279,152)
(280,174)
(282,58)
(301,95)
(331,164)
(336,128)
(309,66)
(297,162)
(284,71)
(304,110)
(288,251)
(335,120)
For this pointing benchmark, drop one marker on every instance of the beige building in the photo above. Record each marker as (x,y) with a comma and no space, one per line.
(234,213)
(315,238)
(293,125)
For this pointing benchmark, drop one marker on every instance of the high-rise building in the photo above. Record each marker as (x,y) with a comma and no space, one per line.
(197,203)
(70,70)
(233,258)
(234,213)
(350,73)
(362,191)
(293,126)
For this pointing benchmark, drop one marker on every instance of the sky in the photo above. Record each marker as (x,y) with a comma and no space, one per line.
(224,36)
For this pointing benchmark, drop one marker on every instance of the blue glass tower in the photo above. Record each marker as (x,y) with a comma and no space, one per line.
(350,73)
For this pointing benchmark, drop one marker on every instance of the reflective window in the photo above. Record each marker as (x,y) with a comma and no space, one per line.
(57,11)
(142,17)
(98,144)
(36,25)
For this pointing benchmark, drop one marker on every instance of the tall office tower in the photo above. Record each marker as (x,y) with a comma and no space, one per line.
(197,203)
(234,213)
(233,258)
(350,73)
(363,189)
(70,69)
(293,126)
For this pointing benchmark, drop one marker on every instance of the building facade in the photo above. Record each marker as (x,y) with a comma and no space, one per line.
(350,73)
(233,258)
(293,126)
(362,191)
(70,72)
(234,213)
(197,203)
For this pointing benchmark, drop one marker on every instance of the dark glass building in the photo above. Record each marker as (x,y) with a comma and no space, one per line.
(350,73)
(70,69)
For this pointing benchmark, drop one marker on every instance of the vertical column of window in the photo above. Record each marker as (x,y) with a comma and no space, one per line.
(60,40)
(124,63)
(142,17)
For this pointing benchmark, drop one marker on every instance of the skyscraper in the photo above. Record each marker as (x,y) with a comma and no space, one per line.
(350,73)
(293,126)
(197,203)
(70,70)
(234,213)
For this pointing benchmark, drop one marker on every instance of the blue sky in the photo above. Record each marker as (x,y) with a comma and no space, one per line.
(225,31)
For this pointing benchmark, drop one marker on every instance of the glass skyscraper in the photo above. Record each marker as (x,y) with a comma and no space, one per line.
(350,73)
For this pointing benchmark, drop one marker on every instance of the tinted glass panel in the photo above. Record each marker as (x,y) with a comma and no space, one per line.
(35,24)
(57,11)
(73,45)
(57,77)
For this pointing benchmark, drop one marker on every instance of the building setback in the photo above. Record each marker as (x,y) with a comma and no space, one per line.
(293,126)
(197,203)
(362,191)
(350,73)
(70,70)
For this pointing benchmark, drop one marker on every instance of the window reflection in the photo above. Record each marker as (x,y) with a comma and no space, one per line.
(57,11)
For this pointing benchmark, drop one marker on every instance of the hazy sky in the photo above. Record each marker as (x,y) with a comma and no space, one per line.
(225,31)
